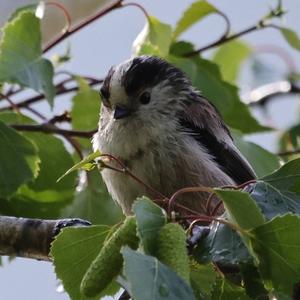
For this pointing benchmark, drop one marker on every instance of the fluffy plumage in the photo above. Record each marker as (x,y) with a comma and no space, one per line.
(174,140)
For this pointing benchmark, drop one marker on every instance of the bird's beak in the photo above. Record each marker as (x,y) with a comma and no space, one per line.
(121,112)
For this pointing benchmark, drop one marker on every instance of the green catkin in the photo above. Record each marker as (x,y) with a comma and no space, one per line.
(172,250)
(109,261)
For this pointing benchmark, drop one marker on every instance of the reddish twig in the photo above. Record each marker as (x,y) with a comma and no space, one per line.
(138,6)
(82,25)
(125,170)
(183,191)
(65,12)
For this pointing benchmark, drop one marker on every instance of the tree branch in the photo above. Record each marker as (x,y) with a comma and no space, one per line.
(83,24)
(265,93)
(48,128)
(31,238)
(60,90)
(226,39)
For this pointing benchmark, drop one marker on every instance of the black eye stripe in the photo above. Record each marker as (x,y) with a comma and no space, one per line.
(104,92)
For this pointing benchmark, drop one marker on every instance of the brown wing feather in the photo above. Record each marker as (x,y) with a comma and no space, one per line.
(205,125)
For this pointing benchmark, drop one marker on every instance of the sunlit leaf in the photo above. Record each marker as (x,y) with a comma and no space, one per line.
(230,57)
(291,37)
(20,55)
(82,164)
(155,36)
(194,13)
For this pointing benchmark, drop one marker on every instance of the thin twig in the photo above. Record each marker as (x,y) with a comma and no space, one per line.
(60,90)
(184,191)
(82,24)
(225,39)
(125,170)
(48,128)
(138,6)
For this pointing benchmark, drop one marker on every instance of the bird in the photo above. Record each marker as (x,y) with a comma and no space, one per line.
(166,132)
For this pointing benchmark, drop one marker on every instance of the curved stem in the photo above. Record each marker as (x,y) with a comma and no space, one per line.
(65,12)
(82,24)
(138,6)
(184,191)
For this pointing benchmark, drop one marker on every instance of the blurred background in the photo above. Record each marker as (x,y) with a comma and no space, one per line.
(108,41)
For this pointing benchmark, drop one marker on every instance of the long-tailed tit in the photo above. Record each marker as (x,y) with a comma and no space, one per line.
(166,133)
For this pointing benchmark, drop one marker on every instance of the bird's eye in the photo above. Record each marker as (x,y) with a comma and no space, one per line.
(145,98)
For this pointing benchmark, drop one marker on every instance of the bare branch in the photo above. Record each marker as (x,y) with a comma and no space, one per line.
(48,128)
(265,93)
(60,90)
(31,238)
(226,39)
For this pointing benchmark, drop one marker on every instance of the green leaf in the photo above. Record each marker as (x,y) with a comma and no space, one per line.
(262,161)
(20,55)
(222,246)
(158,281)
(290,139)
(203,278)
(241,208)
(85,103)
(287,178)
(20,206)
(73,250)
(18,160)
(150,219)
(55,159)
(93,203)
(206,76)
(155,36)
(277,245)
(225,290)
(230,57)
(273,202)
(252,281)
(291,37)
(197,11)
(82,164)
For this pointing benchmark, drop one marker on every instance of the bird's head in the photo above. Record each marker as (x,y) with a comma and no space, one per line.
(144,87)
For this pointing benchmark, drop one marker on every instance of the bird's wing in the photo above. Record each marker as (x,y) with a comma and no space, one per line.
(203,122)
